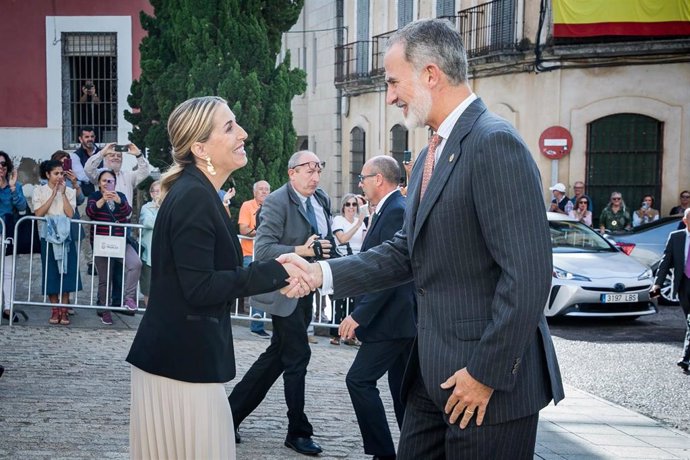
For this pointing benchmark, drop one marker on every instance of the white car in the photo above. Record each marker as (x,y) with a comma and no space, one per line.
(591,277)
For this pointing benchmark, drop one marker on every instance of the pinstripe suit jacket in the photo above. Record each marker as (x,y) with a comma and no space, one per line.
(478,249)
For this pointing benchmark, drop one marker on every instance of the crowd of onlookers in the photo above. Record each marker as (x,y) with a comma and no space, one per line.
(89,184)
(616,215)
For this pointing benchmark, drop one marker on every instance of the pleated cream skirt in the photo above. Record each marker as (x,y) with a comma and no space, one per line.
(170,419)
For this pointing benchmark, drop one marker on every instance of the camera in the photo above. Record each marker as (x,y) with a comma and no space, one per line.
(121,148)
(88,86)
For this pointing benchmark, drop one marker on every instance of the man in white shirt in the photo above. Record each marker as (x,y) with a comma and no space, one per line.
(126,180)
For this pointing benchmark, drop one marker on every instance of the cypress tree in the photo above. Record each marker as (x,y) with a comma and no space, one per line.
(227,48)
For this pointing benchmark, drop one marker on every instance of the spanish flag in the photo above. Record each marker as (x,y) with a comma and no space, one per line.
(595,18)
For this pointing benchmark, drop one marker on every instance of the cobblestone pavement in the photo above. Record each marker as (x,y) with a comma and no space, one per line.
(65,394)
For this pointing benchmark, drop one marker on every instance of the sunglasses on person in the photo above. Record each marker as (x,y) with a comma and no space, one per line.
(616,198)
(682,196)
(348,204)
(3,163)
(583,202)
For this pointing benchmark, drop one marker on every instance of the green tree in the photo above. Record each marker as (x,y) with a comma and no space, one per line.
(227,48)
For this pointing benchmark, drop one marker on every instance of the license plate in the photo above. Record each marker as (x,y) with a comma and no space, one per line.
(618,298)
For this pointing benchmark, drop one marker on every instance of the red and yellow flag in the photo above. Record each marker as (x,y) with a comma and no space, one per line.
(593,18)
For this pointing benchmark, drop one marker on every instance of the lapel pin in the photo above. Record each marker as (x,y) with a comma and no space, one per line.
(452,157)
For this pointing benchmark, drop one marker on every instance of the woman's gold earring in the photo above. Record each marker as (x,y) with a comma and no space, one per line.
(209,167)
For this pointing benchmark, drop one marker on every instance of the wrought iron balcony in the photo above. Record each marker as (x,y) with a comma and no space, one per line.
(488,28)
(352,62)
(379,49)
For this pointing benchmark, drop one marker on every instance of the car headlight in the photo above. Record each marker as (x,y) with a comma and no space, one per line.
(645,275)
(566,275)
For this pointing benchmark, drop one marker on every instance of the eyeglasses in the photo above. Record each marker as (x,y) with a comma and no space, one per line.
(682,196)
(616,198)
(583,202)
(347,205)
(3,163)
(361,177)
(312,165)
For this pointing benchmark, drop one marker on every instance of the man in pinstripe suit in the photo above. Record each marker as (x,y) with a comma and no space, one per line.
(476,242)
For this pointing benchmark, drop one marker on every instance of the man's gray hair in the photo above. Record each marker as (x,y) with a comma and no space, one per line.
(388,168)
(434,41)
(256,185)
(294,159)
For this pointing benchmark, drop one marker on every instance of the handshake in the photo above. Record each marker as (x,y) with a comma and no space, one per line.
(304,277)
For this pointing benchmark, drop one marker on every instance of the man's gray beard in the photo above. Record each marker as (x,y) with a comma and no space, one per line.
(418,113)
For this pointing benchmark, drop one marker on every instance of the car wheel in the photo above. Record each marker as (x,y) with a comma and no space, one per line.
(667,297)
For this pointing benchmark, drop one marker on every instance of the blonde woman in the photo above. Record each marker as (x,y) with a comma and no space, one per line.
(182,353)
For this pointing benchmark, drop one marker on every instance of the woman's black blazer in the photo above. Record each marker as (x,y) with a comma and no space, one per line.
(197,274)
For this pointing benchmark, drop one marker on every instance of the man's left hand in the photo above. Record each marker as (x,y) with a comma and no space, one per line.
(347,327)
(469,397)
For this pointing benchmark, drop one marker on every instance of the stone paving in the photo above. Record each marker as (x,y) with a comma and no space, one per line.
(65,394)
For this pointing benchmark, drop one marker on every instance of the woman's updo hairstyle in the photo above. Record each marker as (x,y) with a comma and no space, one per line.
(47,167)
(190,122)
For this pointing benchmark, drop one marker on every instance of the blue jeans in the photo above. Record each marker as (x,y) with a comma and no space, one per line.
(254,326)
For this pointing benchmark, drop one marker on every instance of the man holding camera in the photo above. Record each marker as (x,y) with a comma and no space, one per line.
(294,218)
(90,107)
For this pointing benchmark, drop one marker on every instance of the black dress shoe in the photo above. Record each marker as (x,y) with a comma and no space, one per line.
(303,445)
(685,365)
(238,438)
(384,457)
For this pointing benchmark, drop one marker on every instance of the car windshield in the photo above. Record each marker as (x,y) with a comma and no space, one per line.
(570,236)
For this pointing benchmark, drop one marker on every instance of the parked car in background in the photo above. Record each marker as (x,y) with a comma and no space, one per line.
(591,277)
(646,244)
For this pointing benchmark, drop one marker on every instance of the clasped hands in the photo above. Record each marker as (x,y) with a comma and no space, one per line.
(303,276)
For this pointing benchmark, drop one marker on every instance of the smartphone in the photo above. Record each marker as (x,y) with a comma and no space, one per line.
(121,148)
(407,156)
(110,186)
(67,164)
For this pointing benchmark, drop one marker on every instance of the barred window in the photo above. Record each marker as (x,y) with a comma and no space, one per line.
(89,86)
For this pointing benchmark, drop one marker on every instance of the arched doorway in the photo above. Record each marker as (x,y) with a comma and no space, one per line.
(624,153)
(357,157)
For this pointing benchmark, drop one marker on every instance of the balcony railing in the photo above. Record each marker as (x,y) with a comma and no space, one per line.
(352,61)
(488,27)
(379,44)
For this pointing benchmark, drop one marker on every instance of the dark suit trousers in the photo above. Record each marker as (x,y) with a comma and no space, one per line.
(372,361)
(684,297)
(425,434)
(288,354)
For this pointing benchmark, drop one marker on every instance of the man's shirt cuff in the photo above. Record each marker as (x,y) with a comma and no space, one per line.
(326,278)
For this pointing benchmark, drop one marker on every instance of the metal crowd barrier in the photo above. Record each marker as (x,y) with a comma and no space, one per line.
(86,297)
(28,294)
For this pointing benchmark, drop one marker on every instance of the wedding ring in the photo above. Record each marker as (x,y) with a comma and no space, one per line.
(471,412)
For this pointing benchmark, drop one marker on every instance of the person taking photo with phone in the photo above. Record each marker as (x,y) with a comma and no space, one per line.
(109,205)
(112,159)
(646,213)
